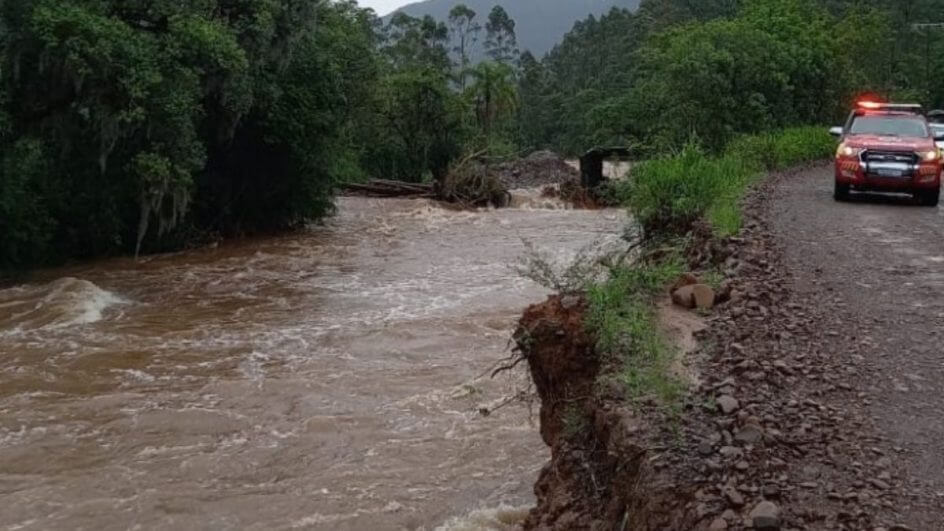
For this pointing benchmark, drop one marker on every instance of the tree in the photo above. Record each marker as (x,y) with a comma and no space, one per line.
(412,43)
(416,130)
(500,42)
(535,112)
(493,93)
(465,31)
(772,66)
(421,118)
(139,126)
(722,67)
(594,63)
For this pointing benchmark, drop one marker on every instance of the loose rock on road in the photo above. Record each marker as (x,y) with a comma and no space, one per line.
(879,261)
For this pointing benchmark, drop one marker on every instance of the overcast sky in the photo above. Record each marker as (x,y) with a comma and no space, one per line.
(382,7)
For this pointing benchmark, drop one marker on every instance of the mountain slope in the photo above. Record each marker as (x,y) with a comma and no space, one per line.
(540,24)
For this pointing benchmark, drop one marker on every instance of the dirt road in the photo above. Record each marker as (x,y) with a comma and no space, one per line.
(879,263)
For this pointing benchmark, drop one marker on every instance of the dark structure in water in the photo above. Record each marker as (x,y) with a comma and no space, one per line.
(591,164)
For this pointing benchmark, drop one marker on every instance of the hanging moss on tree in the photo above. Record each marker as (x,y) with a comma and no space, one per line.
(131,126)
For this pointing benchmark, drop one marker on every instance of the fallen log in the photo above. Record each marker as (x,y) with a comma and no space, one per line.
(385,188)
(400,184)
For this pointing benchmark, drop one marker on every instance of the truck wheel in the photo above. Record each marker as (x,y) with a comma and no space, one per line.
(929,198)
(841,192)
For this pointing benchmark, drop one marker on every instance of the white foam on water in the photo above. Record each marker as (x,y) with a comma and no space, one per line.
(64,302)
(22,525)
(79,301)
(501,518)
(253,367)
(136,375)
(150,451)
(534,199)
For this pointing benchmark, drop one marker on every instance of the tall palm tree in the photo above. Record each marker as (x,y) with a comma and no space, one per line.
(493,92)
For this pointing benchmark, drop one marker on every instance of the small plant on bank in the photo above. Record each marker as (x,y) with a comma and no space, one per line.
(623,318)
(589,265)
(621,313)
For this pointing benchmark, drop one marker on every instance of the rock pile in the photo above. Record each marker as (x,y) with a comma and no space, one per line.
(537,169)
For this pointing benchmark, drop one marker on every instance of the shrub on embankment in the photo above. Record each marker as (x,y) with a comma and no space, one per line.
(667,195)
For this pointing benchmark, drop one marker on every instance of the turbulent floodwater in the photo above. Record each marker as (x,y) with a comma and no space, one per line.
(324,380)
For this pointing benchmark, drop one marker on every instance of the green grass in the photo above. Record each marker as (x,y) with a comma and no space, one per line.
(623,319)
(667,195)
(782,149)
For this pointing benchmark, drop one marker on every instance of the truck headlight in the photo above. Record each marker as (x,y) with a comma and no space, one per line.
(848,151)
(930,155)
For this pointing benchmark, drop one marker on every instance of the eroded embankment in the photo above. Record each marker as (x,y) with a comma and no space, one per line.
(602,474)
(776,435)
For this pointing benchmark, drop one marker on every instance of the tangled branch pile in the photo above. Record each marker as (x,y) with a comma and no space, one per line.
(474,184)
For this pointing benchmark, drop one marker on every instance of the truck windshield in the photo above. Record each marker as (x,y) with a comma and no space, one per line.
(889,125)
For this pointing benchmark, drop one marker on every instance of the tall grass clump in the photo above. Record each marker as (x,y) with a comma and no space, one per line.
(667,195)
(622,317)
(783,149)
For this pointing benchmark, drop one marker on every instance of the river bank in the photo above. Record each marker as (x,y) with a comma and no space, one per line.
(658,449)
(785,428)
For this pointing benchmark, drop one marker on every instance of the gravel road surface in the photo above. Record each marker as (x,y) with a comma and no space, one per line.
(878,263)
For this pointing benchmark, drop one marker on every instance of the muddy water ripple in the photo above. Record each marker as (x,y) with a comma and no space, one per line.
(322,380)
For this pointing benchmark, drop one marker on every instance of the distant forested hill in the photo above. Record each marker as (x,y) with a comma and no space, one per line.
(540,24)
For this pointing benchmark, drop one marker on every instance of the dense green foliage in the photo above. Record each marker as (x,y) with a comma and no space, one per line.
(133,125)
(721,68)
(128,123)
(431,104)
(130,126)
(666,195)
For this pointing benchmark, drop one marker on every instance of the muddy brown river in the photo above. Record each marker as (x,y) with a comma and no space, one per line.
(323,380)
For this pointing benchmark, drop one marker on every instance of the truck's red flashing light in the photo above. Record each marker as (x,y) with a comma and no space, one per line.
(869,104)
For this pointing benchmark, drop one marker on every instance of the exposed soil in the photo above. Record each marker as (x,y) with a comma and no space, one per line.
(820,399)
(537,169)
(601,472)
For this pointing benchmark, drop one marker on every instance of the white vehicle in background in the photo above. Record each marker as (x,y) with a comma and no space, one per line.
(938,130)
(936,122)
